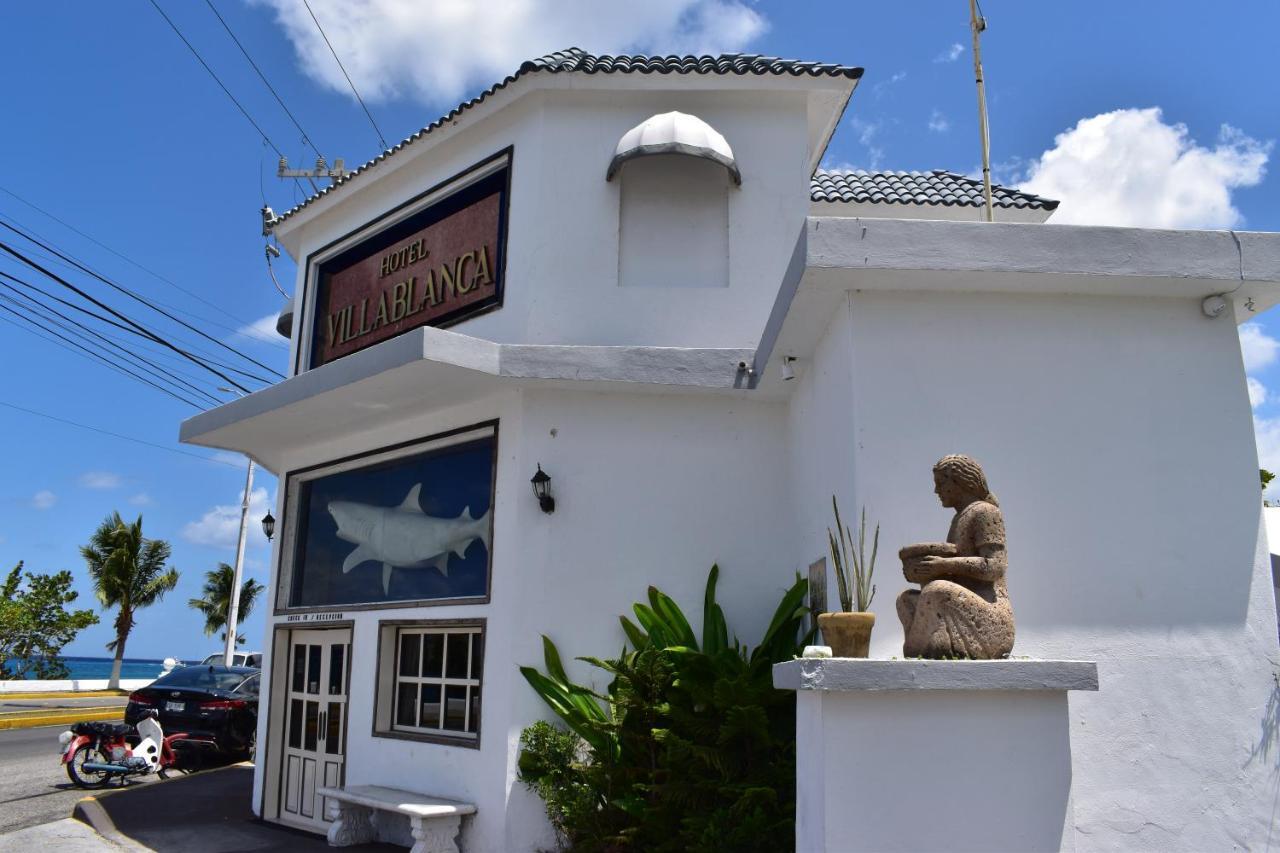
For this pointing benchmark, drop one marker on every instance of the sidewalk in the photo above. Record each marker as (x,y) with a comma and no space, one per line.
(207,812)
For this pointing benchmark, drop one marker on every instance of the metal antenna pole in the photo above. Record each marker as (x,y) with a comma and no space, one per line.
(233,612)
(978,23)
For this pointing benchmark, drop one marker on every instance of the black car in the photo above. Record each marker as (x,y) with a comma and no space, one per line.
(219,703)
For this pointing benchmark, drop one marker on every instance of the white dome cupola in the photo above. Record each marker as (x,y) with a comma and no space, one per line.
(674,133)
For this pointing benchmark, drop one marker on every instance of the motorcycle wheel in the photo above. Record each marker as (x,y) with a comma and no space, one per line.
(82,778)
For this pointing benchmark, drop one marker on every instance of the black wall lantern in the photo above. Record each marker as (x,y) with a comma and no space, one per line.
(542,490)
(269,525)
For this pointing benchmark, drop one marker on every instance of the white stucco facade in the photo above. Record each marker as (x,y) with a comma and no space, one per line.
(1109,412)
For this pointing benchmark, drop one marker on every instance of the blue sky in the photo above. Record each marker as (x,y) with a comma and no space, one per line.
(1159,114)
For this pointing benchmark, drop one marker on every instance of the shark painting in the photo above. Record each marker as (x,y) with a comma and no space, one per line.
(404,536)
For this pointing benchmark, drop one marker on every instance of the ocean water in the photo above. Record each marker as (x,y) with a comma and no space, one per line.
(97,668)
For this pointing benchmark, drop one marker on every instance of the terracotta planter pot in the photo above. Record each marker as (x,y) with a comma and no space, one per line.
(848,634)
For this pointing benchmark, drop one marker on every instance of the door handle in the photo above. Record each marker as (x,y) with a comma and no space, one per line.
(323,728)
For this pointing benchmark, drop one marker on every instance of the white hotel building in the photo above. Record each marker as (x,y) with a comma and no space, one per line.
(606,267)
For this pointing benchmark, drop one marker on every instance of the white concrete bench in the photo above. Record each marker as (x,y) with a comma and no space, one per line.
(434,821)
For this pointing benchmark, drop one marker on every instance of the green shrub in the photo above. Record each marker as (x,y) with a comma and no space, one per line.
(690,747)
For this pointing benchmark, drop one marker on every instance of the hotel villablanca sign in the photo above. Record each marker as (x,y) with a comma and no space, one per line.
(436,266)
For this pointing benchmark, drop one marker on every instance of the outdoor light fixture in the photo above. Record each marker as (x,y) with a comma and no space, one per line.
(269,525)
(542,490)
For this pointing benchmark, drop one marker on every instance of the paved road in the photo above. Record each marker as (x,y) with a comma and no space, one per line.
(33,783)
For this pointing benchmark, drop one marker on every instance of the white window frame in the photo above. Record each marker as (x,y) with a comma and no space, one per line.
(443,680)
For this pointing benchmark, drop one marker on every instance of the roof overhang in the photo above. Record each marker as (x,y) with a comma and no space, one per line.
(428,369)
(836,255)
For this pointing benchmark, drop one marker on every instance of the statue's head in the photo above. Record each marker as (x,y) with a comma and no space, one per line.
(958,481)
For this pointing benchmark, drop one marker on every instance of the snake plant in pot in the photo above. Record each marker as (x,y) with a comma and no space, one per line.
(848,632)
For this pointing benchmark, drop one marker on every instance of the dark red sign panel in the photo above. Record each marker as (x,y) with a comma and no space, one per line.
(439,266)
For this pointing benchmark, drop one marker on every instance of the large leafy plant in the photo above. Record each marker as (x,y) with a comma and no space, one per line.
(690,747)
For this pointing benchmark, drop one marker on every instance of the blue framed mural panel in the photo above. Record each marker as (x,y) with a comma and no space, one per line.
(415,525)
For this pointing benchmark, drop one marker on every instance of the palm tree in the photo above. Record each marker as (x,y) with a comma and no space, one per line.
(216,601)
(129,573)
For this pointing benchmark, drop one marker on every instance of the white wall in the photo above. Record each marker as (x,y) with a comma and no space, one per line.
(562,278)
(629,513)
(1116,433)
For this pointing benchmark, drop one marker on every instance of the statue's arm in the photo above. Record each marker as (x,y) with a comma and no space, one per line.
(987,567)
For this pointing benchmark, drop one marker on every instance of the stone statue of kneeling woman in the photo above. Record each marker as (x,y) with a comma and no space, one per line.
(962,608)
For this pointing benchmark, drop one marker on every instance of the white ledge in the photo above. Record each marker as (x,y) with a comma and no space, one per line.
(850,674)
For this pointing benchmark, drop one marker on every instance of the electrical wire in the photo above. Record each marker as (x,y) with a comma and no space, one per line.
(382,141)
(121,288)
(222,85)
(143,442)
(306,137)
(15,279)
(163,341)
(113,365)
(240,320)
(57,318)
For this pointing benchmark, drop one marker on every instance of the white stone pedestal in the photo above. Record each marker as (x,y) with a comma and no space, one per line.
(920,755)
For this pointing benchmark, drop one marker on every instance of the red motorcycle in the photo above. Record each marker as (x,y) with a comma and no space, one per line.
(97,752)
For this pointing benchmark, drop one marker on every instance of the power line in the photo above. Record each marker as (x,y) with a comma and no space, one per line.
(376,130)
(114,365)
(216,79)
(306,137)
(127,291)
(10,250)
(60,320)
(122,326)
(143,442)
(124,257)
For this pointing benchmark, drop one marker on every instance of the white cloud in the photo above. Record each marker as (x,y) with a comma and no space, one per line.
(100,480)
(264,331)
(1257,392)
(441,51)
(867,132)
(951,54)
(220,526)
(1128,167)
(44,499)
(140,499)
(894,79)
(938,123)
(1259,349)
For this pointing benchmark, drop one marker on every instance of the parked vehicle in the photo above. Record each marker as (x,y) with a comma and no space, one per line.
(253,659)
(97,752)
(208,701)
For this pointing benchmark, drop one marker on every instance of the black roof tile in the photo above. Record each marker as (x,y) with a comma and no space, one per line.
(936,188)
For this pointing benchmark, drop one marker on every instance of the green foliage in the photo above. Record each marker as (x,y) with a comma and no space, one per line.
(35,623)
(845,562)
(215,602)
(1266,476)
(128,573)
(689,748)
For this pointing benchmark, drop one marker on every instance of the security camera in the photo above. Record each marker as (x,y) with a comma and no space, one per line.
(272,251)
(788,372)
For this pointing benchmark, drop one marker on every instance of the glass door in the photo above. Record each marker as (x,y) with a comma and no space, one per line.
(315,707)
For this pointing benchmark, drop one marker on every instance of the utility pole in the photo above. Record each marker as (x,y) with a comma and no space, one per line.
(233,612)
(978,23)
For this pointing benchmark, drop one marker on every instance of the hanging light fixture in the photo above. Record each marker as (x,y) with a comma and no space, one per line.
(269,525)
(542,490)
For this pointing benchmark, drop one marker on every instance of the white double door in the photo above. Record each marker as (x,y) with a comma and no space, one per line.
(315,709)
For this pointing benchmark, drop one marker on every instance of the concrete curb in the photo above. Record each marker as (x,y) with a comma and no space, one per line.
(89,811)
(30,720)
